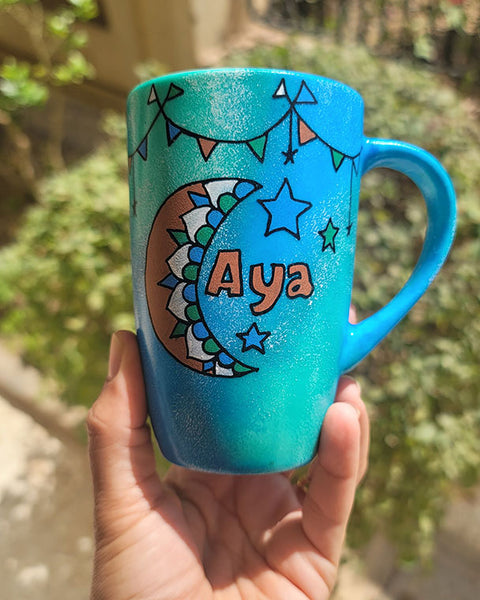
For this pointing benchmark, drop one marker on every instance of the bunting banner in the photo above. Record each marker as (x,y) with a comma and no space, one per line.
(305,134)
(143,148)
(257,145)
(206,146)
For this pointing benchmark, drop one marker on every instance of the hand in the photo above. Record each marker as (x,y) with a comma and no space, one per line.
(202,536)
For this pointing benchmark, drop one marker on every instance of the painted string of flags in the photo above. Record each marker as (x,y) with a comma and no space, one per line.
(258,144)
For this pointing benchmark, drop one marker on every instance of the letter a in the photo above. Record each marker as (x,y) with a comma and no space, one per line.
(301,285)
(226,274)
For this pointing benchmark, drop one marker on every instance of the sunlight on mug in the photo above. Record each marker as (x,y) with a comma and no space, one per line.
(244,187)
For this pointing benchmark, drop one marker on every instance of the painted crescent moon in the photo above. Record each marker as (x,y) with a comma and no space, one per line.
(182,231)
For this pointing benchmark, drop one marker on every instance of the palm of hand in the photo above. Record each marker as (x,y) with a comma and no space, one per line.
(204,536)
(215,537)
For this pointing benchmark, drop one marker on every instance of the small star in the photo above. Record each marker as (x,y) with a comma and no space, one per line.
(289,155)
(284,211)
(253,338)
(349,228)
(328,234)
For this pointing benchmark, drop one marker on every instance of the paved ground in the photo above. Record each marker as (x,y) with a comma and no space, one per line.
(46,537)
(45,495)
(45,513)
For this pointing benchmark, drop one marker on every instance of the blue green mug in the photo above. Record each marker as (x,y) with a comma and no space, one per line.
(244,187)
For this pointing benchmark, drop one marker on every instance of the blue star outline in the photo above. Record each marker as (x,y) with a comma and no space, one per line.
(284,211)
(253,338)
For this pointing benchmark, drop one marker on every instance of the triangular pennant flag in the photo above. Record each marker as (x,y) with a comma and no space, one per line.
(173,92)
(258,145)
(153,95)
(206,147)
(305,134)
(281,91)
(337,158)
(142,149)
(305,96)
(172,132)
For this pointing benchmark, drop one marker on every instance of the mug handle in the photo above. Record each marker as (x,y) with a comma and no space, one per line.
(437,189)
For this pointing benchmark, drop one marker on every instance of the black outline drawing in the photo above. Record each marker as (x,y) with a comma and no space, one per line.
(253,305)
(308,206)
(247,346)
(249,369)
(220,289)
(323,232)
(281,92)
(292,280)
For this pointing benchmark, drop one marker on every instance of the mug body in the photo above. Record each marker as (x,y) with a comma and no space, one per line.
(244,196)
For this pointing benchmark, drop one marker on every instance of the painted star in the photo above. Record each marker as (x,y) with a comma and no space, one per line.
(284,211)
(289,155)
(328,234)
(253,338)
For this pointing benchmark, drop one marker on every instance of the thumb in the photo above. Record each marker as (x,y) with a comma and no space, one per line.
(120,447)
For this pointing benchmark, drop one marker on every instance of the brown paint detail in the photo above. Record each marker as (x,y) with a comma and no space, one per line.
(270,292)
(160,247)
(305,134)
(301,285)
(206,147)
(226,274)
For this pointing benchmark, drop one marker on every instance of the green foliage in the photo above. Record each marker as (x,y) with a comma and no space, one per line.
(57,44)
(56,61)
(19,88)
(422,384)
(65,282)
(65,286)
(444,33)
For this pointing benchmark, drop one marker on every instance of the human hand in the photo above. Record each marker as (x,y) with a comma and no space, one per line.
(202,536)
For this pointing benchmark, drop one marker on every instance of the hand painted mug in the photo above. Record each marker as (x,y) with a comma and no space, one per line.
(244,187)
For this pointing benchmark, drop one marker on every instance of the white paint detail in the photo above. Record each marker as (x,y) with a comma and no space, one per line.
(177,303)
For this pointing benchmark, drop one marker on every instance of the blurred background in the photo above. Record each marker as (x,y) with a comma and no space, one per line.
(66,67)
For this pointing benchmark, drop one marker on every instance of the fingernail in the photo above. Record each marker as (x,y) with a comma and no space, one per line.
(352,315)
(352,381)
(115,358)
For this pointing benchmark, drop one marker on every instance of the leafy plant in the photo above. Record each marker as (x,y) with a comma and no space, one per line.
(422,384)
(65,285)
(444,33)
(65,282)
(57,61)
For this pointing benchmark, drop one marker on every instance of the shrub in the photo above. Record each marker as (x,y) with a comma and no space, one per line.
(65,285)
(57,61)
(422,383)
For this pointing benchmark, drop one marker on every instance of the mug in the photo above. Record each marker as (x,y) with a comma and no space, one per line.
(244,187)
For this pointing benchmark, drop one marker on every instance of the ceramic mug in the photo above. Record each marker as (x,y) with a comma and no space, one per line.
(244,187)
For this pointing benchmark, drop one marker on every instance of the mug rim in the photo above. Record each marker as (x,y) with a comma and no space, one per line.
(235,70)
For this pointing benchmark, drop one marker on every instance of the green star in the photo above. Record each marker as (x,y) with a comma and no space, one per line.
(328,234)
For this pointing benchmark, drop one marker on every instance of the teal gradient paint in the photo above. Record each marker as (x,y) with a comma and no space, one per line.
(244,187)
